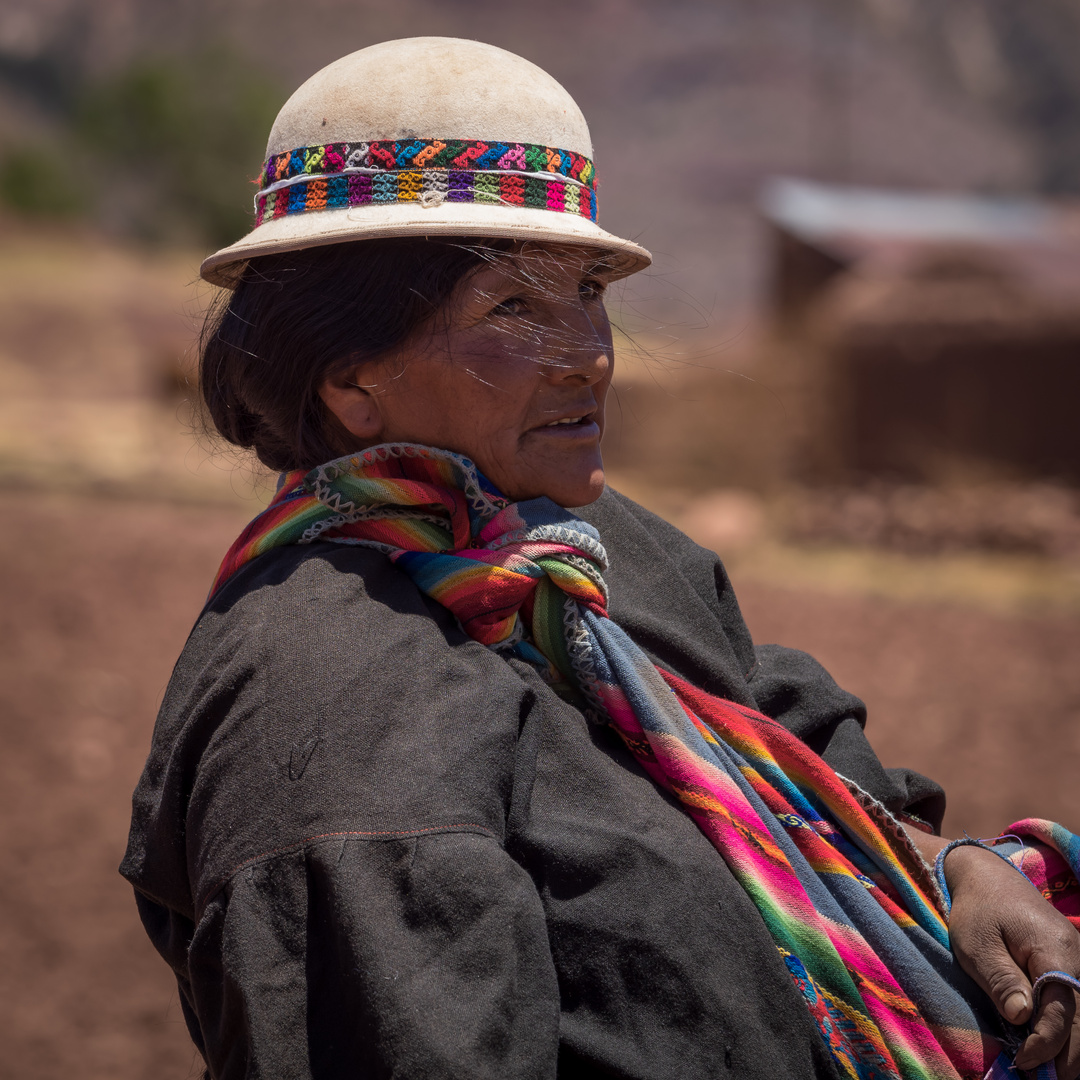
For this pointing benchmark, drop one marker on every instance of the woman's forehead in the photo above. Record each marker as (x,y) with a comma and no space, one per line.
(540,264)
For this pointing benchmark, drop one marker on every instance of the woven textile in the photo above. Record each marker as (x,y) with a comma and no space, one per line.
(850,906)
(428,171)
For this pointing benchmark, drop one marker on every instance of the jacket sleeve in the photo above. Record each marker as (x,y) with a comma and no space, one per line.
(419,956)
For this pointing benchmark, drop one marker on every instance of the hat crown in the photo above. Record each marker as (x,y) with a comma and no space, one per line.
(430,87)
(426,137)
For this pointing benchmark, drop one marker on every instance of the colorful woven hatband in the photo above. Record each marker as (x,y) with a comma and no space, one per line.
(427,171)
(852,909)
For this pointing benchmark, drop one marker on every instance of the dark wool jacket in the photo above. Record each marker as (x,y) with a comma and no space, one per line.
(369,846)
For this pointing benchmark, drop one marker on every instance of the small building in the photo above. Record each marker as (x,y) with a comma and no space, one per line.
(926,337)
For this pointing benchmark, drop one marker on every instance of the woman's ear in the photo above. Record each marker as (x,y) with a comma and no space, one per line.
(355,406)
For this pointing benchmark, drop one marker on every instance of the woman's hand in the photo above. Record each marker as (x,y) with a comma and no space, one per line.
(1005,935)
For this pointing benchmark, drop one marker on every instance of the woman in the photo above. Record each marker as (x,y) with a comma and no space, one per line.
(451,780)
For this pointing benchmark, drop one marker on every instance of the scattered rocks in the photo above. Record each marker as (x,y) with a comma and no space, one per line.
(1032,519)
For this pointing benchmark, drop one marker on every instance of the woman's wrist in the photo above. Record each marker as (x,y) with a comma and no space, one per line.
(960,859)
(954,861)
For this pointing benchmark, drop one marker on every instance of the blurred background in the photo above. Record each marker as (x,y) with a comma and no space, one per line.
(854,370)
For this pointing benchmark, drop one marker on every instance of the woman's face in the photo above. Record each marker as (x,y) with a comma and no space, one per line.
(512,372)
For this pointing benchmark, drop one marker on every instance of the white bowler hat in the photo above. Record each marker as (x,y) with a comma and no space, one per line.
(426,136)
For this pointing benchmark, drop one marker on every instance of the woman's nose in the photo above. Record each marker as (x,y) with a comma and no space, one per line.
(581,348)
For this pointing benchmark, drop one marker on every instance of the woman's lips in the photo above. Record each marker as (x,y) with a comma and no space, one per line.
(581,428)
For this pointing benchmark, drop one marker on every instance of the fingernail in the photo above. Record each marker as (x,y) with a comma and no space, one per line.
(1014,1005)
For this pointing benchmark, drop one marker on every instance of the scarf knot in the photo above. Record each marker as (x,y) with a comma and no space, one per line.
(505,570)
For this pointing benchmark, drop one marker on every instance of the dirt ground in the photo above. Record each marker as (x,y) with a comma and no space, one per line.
(97,600)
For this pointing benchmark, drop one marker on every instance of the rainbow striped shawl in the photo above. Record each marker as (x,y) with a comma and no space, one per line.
(851,907)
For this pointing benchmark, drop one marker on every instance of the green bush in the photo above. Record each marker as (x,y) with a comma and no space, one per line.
(164,150)
(188,135)
(35,181)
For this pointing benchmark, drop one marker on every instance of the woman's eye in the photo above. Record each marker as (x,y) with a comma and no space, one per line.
(515,305)
(591,290)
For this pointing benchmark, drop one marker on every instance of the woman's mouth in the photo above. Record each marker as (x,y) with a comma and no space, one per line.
(580,427)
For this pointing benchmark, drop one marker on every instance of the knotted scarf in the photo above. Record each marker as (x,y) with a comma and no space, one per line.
(854,914)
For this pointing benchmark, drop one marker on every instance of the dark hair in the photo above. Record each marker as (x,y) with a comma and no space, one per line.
(296,318)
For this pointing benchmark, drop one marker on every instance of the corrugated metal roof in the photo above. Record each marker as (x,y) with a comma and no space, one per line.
(816,211)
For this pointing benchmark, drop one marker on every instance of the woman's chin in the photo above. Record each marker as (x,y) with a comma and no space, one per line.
(568,489)
(588,492)
(567,486)
(574,478)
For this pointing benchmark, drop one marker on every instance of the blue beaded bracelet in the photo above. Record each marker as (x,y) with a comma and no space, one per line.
(965,841)
(1062,977)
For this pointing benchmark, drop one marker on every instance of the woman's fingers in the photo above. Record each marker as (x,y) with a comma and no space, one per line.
(1053,1025)
(1005,936)
(988,961)
(1067,1062)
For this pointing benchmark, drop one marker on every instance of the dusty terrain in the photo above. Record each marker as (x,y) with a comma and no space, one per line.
(90,628)
(97,599)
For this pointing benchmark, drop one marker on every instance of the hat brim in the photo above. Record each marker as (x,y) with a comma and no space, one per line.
(318,228)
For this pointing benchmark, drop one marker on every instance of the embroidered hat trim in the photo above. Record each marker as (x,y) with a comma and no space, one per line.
(427,171)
